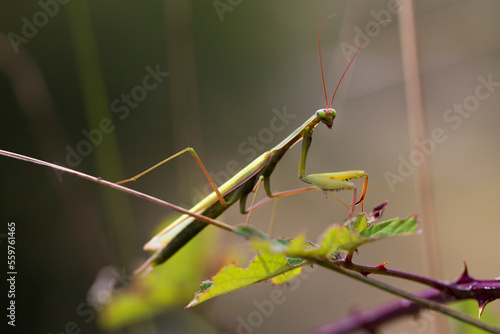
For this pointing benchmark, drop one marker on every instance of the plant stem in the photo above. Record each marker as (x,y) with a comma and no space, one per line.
(422,301)
(427,303)
(382,270)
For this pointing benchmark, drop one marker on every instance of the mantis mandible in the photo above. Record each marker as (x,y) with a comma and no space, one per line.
(182,230)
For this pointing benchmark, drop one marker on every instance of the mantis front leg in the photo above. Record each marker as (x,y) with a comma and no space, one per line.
(331,181)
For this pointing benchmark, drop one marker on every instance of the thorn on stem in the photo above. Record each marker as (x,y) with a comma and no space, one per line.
(482,301)
(382,266)
(464,278)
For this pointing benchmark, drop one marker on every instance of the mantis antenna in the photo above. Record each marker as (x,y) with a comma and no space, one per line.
(350,62)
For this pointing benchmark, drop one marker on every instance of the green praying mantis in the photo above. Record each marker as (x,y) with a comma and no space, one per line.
(248,180)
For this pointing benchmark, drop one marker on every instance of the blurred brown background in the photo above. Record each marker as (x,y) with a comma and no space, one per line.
(229,67)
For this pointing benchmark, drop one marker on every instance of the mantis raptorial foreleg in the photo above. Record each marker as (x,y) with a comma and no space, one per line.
(331,181)
(339,181)
(321,181)
(325,181)
(193,153)
(340,175)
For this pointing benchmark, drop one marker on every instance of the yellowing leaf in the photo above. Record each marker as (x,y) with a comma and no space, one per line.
(283,278)
(263,267)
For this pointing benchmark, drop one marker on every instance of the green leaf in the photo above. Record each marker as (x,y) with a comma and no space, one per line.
(349,237)
(263,267)
(391,228)
(294,261)
(282,260)
(339,238)
(358,224)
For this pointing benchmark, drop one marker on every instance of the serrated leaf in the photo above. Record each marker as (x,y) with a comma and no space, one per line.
(230,278)
(391,228)
(273,264)
(346,238)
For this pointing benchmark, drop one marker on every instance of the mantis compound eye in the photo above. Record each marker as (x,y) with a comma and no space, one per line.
(326,116)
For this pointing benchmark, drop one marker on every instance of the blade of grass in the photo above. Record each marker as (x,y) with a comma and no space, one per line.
(96,107)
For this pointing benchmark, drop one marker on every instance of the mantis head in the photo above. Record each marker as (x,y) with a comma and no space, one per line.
(326,116)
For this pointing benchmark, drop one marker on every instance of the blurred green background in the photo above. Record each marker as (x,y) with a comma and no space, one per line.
(229,65)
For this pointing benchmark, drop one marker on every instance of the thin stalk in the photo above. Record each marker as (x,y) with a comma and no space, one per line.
(418,133)
(118,187)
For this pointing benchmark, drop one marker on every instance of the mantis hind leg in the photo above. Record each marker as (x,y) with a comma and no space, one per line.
(339,181)
(193,153)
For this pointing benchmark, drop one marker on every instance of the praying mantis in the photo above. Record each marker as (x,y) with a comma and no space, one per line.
(248,180)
